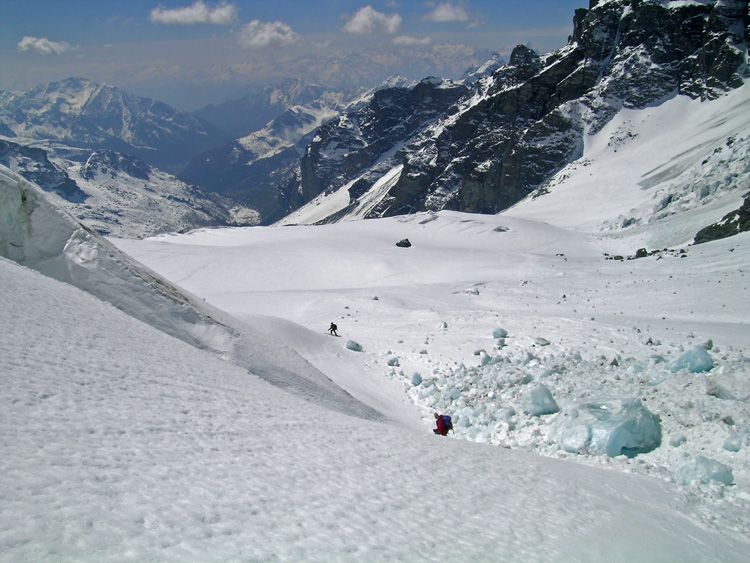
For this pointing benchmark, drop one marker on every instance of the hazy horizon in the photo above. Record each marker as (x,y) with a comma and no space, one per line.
(190,54)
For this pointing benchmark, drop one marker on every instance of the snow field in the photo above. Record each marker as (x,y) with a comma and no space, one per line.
(570,314)
(122,443)
(647,166)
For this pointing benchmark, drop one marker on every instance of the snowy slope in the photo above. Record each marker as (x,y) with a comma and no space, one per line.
(587,327)
(37,234)
(149,431)
(122,443)
(656,171)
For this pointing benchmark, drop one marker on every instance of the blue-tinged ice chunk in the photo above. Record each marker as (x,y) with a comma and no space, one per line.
(720,392)
(465,417)
(704,470)
(539,401)
(353,346)
(677,441)
(734,443)
(499,333)
(607,427)
(695,360)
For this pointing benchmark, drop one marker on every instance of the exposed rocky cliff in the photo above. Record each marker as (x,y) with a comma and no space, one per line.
(482,146)
(34,165)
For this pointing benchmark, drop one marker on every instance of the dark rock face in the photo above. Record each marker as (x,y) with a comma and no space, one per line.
(109,162)
(34,165)
(348,145)
(731,224)
(482,147)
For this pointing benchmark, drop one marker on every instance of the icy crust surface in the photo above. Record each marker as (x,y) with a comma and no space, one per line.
(119,442)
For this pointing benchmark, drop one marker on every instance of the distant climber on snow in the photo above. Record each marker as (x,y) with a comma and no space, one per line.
(444,424)
(332,329)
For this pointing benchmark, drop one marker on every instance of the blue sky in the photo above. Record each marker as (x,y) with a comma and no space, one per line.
(192,50)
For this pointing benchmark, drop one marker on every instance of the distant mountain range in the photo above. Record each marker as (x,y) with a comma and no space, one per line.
(120,195)
(255,110)
(249,168)
(478,144)
(79,114)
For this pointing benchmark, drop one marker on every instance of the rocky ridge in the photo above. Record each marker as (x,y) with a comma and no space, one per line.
(119,195)
(483,146)
(34,165)
(249,169)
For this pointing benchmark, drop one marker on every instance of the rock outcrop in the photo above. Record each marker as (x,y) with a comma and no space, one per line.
(482,146)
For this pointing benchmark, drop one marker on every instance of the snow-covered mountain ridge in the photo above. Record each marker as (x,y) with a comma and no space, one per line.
(250,168)
(512,132)
(120,195)
(252,112)
(81,114)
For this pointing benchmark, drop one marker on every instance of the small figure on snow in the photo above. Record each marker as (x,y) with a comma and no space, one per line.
(443,423)
(332,329)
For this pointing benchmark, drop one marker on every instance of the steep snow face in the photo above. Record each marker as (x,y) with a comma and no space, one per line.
(37,234)
(341,206)
(654,172)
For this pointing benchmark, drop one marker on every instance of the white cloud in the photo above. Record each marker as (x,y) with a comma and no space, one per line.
(44,46)
(408,40)
(447,12)
(367,20)
(223,14)
(263,34)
